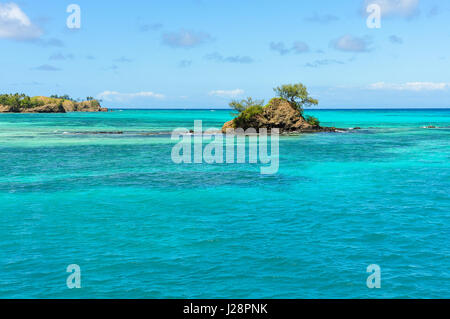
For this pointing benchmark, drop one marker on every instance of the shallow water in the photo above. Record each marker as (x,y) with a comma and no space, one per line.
(141,226)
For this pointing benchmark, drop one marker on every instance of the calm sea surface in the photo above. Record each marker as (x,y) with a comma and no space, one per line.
(140,226)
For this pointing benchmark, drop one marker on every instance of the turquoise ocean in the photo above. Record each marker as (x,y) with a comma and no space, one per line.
(141,226)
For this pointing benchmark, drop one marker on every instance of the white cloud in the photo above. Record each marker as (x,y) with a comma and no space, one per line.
(298,47)
(15,24)
(122,97)
(323,62)
(46,67)
(350,43)
(215,56)
(322,19)
(185,38)
(395,8)
(280,47)
(227,94)
(411,86)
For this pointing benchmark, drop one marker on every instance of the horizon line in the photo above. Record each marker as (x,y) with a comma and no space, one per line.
(316,109)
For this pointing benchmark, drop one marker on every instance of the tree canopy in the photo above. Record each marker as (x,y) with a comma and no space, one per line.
(62,97)
(241,106)
(297,94)
(18,101)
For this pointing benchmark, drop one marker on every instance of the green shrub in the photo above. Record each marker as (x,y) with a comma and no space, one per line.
(246,118)
(241,106)
(251,112)
(94,103)
(312,120)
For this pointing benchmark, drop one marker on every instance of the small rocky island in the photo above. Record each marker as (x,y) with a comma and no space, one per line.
(284,112)
(21,103)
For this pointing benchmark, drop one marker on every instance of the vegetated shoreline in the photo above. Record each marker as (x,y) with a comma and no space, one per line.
(21,103)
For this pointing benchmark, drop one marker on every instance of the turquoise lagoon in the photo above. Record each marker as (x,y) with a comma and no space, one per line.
(140,226)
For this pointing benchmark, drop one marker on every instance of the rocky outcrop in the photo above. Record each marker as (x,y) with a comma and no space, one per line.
(228,125)
(85,106)
(280,114)
(52,105)
(47,108)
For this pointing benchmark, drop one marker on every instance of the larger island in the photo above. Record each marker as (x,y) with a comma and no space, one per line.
(21,103)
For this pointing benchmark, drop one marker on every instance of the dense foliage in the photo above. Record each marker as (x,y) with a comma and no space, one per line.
(246,110)
(241,106)
(19,101)
(245,119)
(94,103)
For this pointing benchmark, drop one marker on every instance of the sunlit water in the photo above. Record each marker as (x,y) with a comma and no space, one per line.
(141,226)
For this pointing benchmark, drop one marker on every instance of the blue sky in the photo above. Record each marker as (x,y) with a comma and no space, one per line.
(203,53)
